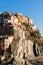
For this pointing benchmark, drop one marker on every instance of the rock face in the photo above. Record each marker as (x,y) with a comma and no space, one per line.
(26,42)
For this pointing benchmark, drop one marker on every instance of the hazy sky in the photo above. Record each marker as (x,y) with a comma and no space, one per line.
(30,8)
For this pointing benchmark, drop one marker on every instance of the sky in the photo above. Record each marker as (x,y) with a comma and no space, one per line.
(30,8)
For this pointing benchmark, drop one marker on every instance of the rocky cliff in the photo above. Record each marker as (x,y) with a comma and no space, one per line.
(27,40)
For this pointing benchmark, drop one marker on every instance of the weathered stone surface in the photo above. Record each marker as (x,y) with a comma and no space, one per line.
(25,36)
